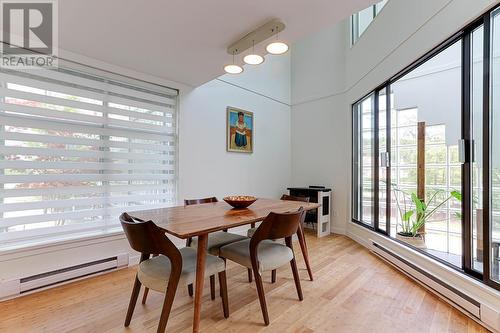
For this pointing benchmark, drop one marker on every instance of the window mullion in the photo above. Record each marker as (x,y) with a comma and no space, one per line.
(376,164)
(389,164)
(467,237)
(486,148)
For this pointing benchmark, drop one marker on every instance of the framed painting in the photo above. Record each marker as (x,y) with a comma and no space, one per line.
(240,130)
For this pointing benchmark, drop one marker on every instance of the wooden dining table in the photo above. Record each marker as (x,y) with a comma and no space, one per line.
(200,220)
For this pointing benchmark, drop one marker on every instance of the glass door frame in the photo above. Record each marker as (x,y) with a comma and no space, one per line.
(465,36)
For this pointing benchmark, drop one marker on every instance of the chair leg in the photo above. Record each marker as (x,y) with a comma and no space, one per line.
(262,296)
(167,303)
(190,289)
(303,248)
(212,287)
(145,295)
(295,271)
(220,290)
(249,275)
(223,291)
(296,277)
(146,290)
(133,300)
(273,276)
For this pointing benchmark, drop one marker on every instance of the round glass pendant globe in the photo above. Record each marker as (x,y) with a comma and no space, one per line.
(253,59)
(277,48)
(233,69)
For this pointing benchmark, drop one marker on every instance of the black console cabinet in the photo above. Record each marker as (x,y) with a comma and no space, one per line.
(321,216)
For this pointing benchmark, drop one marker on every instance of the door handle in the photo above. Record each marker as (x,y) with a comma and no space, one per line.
(472,151)
(461,151)
(385,159)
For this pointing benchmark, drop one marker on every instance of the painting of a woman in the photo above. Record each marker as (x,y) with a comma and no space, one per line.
(240,130)
(240,138)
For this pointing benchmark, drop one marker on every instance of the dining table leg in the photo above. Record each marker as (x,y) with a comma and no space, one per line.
(200,278)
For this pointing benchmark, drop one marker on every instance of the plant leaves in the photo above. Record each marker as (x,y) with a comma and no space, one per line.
(408,215)
(457,195)
(418,203)
(416,226)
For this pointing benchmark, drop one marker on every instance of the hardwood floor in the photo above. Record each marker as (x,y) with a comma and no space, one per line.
(352,291)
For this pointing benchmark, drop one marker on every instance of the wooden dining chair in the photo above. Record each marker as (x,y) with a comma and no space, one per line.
(261,253)
(215,241)
(170,267)
(300,235)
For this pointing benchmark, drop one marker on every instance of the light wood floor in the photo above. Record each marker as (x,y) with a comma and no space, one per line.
(353,291)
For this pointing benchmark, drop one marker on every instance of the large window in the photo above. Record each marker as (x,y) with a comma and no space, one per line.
(77,149)
(426,168)
(362,19)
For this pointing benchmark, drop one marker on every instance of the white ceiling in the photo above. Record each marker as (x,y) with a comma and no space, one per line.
(184,40)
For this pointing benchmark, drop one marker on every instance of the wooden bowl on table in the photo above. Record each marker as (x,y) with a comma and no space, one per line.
(240,201)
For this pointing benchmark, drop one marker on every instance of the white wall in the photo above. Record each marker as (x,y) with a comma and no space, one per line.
(318,65)
(269,79)
(205,167)
(319,133)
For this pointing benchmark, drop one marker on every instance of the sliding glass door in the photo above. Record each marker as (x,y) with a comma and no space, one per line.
(426,153)
(364,160)
(426,165)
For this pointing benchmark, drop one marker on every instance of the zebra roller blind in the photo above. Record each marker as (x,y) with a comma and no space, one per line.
(78,149)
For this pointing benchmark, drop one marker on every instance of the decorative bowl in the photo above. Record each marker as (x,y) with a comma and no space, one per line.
(240,201)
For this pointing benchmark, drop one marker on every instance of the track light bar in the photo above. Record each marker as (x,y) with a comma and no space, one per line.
(255,37)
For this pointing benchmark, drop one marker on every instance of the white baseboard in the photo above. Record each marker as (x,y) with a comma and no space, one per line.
(358,239)
(134,260)
(338,230)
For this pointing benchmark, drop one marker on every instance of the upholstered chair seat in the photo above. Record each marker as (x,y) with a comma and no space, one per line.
(154,273)
(270,255)
(216,240)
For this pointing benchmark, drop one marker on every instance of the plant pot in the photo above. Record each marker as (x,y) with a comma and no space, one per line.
(417,241)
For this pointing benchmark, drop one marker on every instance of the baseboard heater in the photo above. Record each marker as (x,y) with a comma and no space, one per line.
(16,287)
(449,293)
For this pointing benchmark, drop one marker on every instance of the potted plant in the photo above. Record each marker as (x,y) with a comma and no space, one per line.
(415,212)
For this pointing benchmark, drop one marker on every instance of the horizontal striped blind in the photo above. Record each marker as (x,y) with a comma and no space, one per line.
(78,149)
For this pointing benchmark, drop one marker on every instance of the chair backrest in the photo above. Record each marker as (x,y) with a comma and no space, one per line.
(188,202)
(292,198)
(278,225)
(147,238)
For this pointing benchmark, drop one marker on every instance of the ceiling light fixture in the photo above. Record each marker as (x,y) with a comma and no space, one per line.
(277,47)
(233,68)
(262,33)
(253,58)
